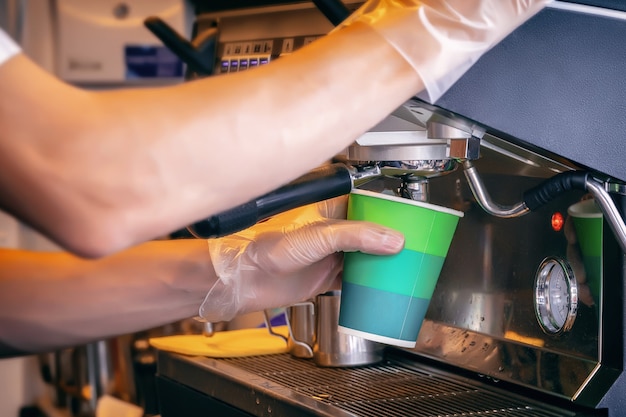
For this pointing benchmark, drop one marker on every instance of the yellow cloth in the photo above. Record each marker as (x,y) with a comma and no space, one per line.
(228,344)
(523,339)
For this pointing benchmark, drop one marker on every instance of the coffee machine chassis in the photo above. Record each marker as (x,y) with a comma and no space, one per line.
(548,99)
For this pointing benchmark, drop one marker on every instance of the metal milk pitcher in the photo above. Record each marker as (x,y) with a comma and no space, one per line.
(313,334)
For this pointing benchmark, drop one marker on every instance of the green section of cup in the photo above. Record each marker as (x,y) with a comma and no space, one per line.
(415,219)
(587,219)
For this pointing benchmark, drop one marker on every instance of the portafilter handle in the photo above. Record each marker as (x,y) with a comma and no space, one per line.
(334,10)
(326,182)
(198,55)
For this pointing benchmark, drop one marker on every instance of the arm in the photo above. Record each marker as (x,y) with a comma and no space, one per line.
(54,300)
(111,169)
(116,168)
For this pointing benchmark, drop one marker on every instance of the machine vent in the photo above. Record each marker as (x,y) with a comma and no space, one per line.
(391,389)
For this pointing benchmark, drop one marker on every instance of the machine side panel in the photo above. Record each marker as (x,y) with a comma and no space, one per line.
(557,83)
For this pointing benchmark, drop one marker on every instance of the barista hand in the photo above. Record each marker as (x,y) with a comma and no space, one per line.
(443,39)
(289,258)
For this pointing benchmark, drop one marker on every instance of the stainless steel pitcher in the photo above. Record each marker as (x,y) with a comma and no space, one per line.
(313,334)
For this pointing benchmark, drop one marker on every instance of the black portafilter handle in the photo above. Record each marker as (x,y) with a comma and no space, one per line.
(187,52)
(334,10)
(320,184)
(555,186)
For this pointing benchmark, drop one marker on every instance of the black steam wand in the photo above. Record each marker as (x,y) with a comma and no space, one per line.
(545,192)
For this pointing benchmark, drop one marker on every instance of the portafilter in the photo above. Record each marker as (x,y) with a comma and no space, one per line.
(413,144)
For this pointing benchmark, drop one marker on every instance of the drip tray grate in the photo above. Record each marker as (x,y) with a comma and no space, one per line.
(391,389)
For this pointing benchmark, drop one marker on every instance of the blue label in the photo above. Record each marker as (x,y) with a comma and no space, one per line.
(151,62)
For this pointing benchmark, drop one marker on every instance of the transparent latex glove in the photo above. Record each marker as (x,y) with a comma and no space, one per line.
(442,39)
(288,258)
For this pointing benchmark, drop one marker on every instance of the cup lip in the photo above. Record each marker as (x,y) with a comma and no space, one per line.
(376,337)
(586,209)
(407,201)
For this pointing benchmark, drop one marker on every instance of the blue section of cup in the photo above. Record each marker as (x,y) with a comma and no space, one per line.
(378,316)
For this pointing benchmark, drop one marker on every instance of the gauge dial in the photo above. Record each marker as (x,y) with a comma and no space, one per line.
(556,295)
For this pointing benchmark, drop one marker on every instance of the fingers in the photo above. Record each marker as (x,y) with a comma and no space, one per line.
(279,290)
(309,244)
(351,236)
(334,208)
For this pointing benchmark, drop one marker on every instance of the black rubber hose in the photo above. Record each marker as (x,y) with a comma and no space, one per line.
(555,186)
(334,10)
(318,185)
(180,46)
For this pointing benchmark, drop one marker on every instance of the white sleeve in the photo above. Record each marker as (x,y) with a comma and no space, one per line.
(8,47)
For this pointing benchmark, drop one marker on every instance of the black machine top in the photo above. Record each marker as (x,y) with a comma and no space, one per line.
(211,6)
(557,83)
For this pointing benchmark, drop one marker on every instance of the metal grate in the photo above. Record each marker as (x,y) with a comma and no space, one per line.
(389,389)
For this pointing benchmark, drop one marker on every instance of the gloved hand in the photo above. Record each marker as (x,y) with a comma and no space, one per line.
(442,39)
(289,258)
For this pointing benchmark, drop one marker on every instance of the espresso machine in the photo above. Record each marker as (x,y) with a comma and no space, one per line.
(520,323)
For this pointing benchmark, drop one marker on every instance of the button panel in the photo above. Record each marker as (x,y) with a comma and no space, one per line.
(244,55)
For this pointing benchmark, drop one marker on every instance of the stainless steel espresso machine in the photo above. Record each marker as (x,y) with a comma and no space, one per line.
(521,322)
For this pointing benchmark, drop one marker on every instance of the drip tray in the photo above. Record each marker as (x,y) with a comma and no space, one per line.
(389,389)
(395,387)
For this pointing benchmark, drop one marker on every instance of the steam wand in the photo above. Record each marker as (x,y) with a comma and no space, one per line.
(546,191)
(484,199)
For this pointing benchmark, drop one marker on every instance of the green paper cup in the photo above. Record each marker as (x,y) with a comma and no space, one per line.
(587,219)
(385,298)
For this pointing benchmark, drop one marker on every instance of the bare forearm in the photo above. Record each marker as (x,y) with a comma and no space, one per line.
(117,168)
(54,300)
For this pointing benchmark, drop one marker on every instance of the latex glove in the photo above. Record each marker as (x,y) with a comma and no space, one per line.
(289,258)
(442,39)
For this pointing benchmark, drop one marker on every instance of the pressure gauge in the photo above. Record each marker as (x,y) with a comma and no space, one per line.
(556,295)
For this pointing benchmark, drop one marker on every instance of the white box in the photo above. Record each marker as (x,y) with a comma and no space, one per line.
(106,42)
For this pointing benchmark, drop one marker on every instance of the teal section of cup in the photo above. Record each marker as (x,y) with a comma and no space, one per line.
(588,225)
(427,228)
(409,273)
(382,313)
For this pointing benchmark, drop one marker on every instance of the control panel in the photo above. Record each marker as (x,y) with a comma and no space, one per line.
(240,56)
